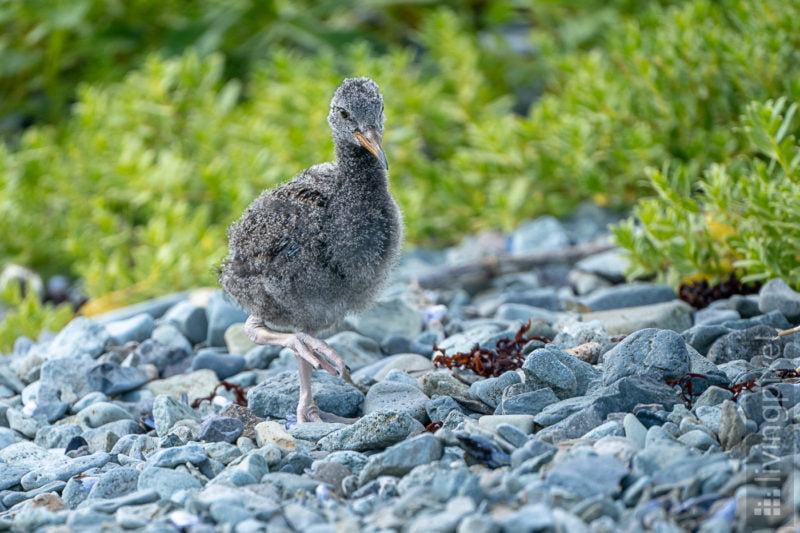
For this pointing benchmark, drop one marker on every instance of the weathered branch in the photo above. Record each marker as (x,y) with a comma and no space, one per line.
(491,267)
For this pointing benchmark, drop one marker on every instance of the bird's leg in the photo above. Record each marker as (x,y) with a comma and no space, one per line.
(310,353)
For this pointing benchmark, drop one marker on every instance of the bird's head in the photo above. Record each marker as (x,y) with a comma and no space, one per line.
(356,116)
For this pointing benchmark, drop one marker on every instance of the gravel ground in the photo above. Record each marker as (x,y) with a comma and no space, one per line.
(630,411)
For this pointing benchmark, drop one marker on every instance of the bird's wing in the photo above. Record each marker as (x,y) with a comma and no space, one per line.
(275,228)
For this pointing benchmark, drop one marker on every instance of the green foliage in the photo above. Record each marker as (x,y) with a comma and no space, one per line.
(738,215)
(27,316)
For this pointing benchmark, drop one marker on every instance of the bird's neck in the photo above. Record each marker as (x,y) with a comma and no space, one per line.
(358,164)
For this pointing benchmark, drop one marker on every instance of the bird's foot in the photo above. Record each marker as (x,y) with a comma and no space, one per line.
(312,350)
(312,413)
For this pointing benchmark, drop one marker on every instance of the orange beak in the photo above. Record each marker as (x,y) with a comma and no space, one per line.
(371,140)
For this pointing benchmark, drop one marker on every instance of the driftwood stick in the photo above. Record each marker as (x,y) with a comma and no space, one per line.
(505,264)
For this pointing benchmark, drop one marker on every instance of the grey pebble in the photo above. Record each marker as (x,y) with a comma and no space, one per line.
(375,430)
(220,429)
(166,481)
(278,395)
(136,328)
(190,319)
(224,365)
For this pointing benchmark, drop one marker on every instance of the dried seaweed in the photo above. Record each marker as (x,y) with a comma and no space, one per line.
(433,427)
(686,384)
(700,294)
(490,363)
(238,392)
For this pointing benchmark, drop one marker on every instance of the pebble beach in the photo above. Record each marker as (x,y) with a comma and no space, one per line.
(613,406)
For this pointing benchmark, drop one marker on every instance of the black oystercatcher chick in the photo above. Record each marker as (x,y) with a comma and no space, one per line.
(305,254)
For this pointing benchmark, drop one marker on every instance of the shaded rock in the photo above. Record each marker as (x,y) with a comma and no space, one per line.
(196,385)
(745,344)
(776,295)
(675,315)
(439,407)
(628,295)
(112,379)
(652,353)
(166,481)
(524,423)
(588,476)
(190,319)
(100,413)
(527,402)
(610,265)
(81,337)
(386,317)
(177,455)
(544,370)
(543,233)
(398,397)
(136,328)
(355,349)
(401,458)
(224,365)
(167,410)
(702,337)
(490,390)
(220,429)
(278,395)
(114,483)
(221,312)
(731,425)
(375,430)
(313,431)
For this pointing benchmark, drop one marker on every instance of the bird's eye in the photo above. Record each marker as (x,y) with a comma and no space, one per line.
(344,114)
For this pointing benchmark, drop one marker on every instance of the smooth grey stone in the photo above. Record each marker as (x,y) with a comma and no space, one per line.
(234,478)
(658,456)
(628,295)
(221,428)
(22,423)
(170,336)
(588,476)
(710,416)
(56,436)
(634,430)
(776,295)
(10,500)
(136,328)
(388,316)
(375,430)
(713,396)
(288,484)
(573,426)
(81,337)
(278,395)
(223,364)
(400,344)
(172,457)
(745,344)
(773,318)
(545,298)
(699,439)
(401,458)
(512,435)
(560,410)
(100,413)
(711,315)
(355,349)
(222,451)
(11,475)
(530,403)
(543,233)
(114,483)
(353,460)
(584,373)
(295,462)
(702,337)
(10,380)
(674,315)
(190,319)
(442,482)
(61,472)
(166,481)
(745,305)
(155,307)
(138,497)
(86,401)
(253,463)
(439,407)
(167,410)
(758,404)
(398,397)
(701,365)
(522,312)
(261,356)
(222,313)
(8,437)
(135,446)
(731,425)
(610,265)
(112,379)
(652,353)
(608,429)
(490,390)
(229,514)
(531,518)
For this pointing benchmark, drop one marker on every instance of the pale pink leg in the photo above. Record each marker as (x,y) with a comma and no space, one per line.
(310,353)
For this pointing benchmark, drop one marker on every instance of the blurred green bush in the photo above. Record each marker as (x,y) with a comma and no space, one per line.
(133,188)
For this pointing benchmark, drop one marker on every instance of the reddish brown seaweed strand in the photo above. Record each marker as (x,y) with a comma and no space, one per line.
(490,363)
(238,392)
